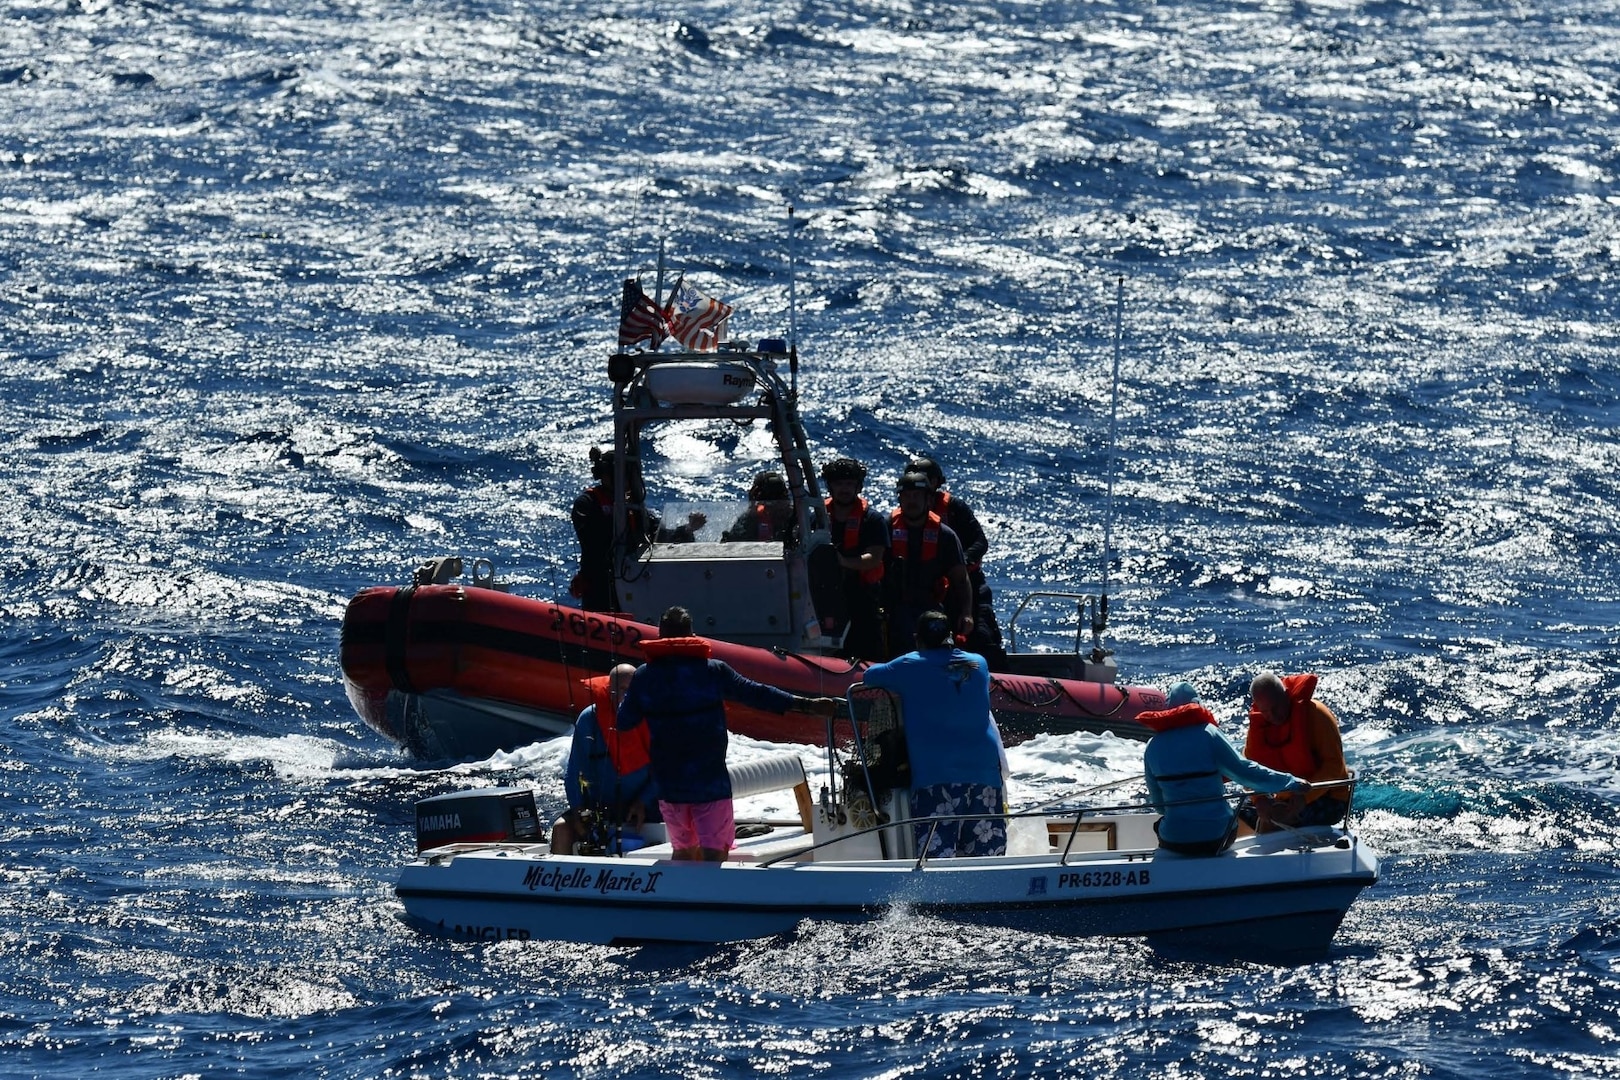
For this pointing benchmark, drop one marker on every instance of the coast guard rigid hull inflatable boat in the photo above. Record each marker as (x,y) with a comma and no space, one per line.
(452,669)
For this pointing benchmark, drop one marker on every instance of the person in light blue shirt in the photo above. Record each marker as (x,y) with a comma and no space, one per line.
(1187,764)
(951,741)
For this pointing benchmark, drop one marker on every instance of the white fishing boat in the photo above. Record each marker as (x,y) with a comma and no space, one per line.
(1070,869)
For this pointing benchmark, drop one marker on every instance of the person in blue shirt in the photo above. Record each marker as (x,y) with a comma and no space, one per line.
(1187,764)
(681,694)
(591,778)
(951,740)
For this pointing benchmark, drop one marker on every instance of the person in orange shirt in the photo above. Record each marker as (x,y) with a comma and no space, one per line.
(1289,730)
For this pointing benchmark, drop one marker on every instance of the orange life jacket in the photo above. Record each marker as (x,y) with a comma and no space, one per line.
(763,529)
(604,501)
(900,542)
(848,538)
(942,507)
(659,648)
(899,534)
(1188,715)
(1288,746)
(628,753)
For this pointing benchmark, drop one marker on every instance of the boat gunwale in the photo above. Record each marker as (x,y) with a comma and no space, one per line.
(811,909)
(1299,843)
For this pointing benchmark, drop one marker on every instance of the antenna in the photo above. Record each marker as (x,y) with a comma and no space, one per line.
(658,282)
(1099,621)
(793,311)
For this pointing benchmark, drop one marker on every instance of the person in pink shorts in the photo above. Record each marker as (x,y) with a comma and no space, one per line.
(680,694)
(707,828)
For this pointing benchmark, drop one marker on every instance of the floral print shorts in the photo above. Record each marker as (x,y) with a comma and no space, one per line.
(966,836)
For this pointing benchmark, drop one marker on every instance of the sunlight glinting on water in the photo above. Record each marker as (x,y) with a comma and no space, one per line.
(300,296)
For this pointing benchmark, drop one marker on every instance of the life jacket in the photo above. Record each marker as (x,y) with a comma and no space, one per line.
(604,501)
(763,529)
(899,535)
(629,753)
(942,507)
(848,538)
(1289,742)
(678,648)
(900,544)
(661,648)
(1188,715)
(1192,714)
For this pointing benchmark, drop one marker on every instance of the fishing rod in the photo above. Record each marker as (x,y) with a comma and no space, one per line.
(1099,621)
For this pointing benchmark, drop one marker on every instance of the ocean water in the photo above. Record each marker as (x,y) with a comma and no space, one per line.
(295,296)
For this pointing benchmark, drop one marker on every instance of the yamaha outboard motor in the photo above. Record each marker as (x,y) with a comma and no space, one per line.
(485,816)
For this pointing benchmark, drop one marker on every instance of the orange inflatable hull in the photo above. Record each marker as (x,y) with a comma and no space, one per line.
(452,671)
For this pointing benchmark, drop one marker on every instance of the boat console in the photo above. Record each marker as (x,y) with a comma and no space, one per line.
(748,592)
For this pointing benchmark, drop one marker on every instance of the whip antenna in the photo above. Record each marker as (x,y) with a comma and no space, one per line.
(1099,620)
(793,311)
(658,282)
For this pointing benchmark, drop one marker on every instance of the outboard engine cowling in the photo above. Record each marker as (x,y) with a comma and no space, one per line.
(487,815)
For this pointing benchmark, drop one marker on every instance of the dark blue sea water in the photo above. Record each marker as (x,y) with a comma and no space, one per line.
(296,295)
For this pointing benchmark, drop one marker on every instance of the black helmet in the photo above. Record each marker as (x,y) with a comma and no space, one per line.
(913,481)
(844,469)
(928,467)
(768,486)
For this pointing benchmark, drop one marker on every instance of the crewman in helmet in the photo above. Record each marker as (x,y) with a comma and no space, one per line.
(861,538)
(926,570)
(592,516)
(986,636)
(770,511)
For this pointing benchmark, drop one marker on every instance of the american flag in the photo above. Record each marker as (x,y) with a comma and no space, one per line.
(639,318)
(696,321)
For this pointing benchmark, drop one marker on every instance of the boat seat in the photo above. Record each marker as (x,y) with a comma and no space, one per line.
(1088,835)
(778,772)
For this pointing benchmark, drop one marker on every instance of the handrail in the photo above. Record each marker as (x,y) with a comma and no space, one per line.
(934,819)
(1080,615)
(1079,814)
(1050,809)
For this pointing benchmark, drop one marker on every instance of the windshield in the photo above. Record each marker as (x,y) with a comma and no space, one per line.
(717,521)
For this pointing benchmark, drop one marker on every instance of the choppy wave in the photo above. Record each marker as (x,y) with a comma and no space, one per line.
(297,296)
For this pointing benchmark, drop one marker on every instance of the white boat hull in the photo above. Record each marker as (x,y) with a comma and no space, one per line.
(1282,897)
